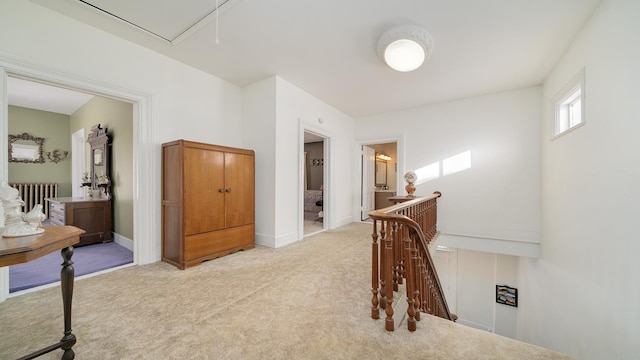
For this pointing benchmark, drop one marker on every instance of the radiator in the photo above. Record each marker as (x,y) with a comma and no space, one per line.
(34,194)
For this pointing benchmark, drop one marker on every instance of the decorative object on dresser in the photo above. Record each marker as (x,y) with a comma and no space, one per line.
(208,202)
(91,215)
(25,148)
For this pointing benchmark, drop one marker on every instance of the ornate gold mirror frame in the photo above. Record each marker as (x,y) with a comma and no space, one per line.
(25,148)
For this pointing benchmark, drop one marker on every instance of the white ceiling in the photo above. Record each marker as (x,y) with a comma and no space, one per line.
(44,97)
(328,48)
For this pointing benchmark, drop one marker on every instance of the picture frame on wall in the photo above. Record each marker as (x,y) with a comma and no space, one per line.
(507,295)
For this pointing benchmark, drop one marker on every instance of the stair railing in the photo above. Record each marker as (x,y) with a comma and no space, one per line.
(401,234)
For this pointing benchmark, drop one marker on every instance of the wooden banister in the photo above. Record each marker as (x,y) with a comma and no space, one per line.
(400,253)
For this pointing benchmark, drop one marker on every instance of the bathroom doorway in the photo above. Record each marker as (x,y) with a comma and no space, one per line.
(379,176)
(313,183)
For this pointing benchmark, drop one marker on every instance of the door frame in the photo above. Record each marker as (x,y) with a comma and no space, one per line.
(146,159)
(400,147)
(363,193)
(78,162)
(327,181)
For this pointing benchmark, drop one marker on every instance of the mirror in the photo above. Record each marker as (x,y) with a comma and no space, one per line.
(99,141)
(381,173)
(25,148)
(98,164)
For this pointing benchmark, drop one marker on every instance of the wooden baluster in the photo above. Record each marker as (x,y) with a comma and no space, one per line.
(382,272)
(428,294)
(419,288)
(432,293)
(411,311)
(375,276)
(397,257)
(389,325)
(416,263)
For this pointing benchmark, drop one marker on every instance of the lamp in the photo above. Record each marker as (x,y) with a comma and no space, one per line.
(405,48)
(382,156)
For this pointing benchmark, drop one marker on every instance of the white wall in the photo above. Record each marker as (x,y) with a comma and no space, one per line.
(276,112)
(469,279)
(499,196)
(182,102)
(296,108)
(259,113)
(582,297)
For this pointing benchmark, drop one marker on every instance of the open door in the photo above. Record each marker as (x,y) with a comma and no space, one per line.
(315,202)
(368,181)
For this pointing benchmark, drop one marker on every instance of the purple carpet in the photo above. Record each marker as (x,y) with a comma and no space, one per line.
(86,260)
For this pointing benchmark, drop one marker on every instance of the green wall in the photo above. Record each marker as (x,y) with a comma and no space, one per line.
(117,117)
(54,128)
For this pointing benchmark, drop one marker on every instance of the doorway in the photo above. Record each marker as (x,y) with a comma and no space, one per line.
(379,176)
(314,172)
(69,183)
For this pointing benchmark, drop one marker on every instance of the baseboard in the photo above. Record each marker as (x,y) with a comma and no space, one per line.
(276,241)
(286,239)
(123,241)
(343,221)
(475,325)
(265,240)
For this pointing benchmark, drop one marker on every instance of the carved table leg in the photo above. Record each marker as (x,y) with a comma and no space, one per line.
(66,282)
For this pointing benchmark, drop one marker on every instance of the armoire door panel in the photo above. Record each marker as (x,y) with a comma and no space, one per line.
(240,184)
(203,198)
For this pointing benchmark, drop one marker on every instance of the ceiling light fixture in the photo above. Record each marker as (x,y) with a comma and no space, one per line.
(405,48)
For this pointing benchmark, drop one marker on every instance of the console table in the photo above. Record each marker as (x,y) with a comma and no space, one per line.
(16,250)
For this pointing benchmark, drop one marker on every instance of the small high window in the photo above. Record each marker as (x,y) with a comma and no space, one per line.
(568,106)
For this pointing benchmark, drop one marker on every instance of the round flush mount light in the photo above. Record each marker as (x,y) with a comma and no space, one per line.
(405,48)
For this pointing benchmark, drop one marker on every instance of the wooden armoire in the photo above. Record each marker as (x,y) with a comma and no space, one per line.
(208,202)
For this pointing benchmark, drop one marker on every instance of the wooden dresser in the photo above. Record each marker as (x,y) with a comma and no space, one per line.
(208,202)
(91,215)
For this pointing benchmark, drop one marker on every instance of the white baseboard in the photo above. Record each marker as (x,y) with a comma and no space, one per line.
(343,221)
(475,325)
(265,240)
(123,241)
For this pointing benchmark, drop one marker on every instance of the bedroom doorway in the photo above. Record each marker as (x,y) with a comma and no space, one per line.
(146,249)
(23,94)
(313,183)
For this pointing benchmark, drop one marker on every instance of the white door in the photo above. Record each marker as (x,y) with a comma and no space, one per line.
(368,181)
(78,165)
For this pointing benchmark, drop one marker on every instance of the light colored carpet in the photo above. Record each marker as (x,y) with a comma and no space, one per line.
(308,300)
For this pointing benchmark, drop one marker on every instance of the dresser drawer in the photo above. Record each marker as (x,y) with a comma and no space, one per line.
(56,207)
(56,218)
